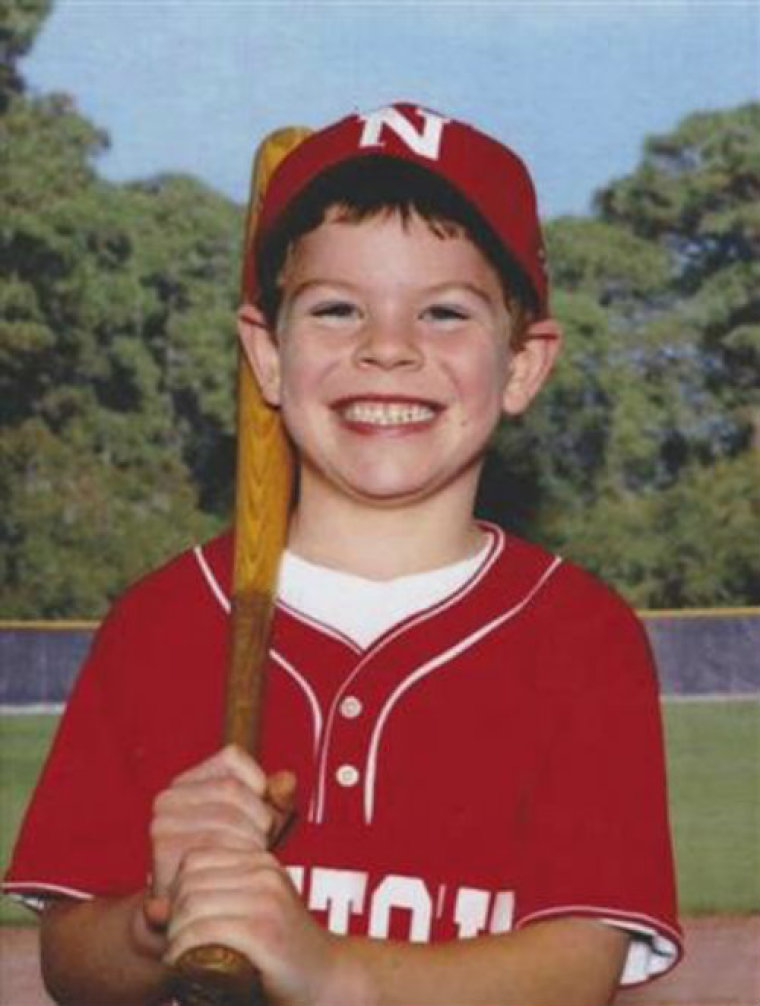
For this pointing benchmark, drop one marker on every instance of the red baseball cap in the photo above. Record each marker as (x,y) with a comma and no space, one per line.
(488,174)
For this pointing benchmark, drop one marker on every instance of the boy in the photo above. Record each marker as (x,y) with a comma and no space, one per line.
(472,723)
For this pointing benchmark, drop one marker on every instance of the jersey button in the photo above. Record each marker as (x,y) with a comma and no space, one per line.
(351,707)
(347,775)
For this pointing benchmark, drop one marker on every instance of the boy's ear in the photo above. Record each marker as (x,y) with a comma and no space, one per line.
(261,351)
(531,366)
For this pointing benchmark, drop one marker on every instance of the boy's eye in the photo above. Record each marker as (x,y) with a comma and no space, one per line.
(446,312)
(334,309)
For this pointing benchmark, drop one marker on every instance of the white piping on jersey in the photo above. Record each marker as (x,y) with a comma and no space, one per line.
(223,599)
(211,580)
(35,894)
(404,626)
(647,923)
(316,810)
(316,712)
(325,630)
(428,668)
(497,546)
(665,942)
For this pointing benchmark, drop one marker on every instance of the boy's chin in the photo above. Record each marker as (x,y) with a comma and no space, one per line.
(382,495)
(377,490)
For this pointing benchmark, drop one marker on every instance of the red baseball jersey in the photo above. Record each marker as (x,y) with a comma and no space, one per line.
(490,761)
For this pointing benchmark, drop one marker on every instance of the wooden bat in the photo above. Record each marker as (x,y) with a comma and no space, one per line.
(215,975)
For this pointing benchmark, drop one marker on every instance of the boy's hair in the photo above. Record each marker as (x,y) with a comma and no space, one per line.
(377,185)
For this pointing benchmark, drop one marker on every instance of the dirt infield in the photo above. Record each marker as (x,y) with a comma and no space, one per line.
(722,968)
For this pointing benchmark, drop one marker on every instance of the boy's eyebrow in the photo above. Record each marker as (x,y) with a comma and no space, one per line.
(472,288)
(308,283)
(438,288)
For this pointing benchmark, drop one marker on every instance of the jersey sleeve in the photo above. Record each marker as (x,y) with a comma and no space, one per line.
(84,832)
(148,704)
(597,841)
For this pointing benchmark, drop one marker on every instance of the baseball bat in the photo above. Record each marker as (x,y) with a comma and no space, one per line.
(216,975)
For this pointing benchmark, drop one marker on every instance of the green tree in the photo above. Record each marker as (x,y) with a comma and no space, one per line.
(697,194)
(78,527)
(116,363)
(20,22)
(696,191)
(654,408)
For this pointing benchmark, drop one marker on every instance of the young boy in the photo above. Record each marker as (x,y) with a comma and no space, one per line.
(472,723)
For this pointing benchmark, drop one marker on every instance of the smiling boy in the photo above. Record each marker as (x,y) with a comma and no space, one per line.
(472,722)
(392,365)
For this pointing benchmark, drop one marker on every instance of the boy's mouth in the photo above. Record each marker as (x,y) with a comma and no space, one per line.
(385,412)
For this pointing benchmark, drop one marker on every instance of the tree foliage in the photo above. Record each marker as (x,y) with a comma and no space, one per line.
(116,363)
(646,444)
(20,21)
(117,355)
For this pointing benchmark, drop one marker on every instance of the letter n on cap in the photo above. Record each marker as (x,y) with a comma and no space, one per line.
(425,142)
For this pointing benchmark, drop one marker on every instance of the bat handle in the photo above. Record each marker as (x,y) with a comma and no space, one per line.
(215,975)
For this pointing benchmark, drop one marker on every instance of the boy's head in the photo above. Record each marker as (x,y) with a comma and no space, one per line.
(406,160)
(396,304)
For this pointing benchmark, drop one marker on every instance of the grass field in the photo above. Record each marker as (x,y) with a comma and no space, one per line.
(24,741)
(714,787)
(714,766)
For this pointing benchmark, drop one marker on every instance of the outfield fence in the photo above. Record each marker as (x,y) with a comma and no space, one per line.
(706,652)
(698,653)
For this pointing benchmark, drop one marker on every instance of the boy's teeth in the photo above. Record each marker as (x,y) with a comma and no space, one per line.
(387,413)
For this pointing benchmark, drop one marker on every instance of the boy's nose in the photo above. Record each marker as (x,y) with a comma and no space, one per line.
(388,345)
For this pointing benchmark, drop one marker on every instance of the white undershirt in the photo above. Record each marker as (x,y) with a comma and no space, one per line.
(364,609)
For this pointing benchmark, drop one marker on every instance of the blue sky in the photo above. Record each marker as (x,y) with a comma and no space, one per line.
(192,85)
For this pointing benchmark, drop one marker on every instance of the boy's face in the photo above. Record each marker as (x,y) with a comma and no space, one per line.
(391,361)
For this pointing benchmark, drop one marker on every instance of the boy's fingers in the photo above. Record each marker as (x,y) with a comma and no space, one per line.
(281,791)
(281,794)
(202,861)
(157,912)
(231,760)
(225,803)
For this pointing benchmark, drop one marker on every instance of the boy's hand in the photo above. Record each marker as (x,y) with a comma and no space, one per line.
(225,802)
(246,901)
